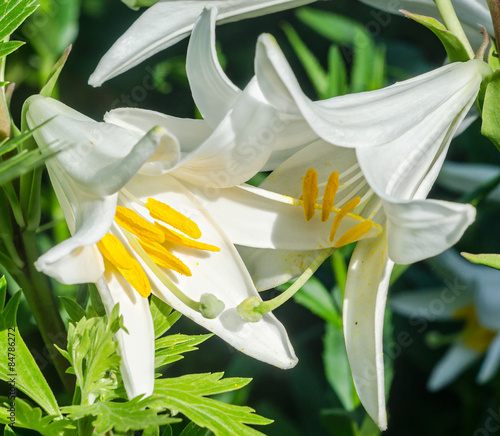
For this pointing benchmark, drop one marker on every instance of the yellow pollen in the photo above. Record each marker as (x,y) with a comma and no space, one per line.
(329,196)
(310,193)
(165,213)
(353,234)
(116,254)
(177,238)
(346,208)
(140,227)
(162,257)
(474,335)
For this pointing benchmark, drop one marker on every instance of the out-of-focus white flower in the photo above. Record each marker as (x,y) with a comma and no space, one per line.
(475,299)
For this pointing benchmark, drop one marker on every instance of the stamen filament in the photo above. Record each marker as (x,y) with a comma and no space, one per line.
(345,185)
(348,207)
(169,215)
(329,195)
(310,193)
(353,234)
(132,197)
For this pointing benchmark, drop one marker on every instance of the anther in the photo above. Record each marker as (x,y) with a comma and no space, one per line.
(137,225)
(329,195)
(348,207)
(169,215)
(310,193)
(164,258)
(353,234)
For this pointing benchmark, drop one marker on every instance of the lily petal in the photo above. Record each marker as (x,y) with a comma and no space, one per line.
(418,229)
(170,21)
(455,361)
(265,340)
(137,347)
(364,306)
(491,362)
(363,119)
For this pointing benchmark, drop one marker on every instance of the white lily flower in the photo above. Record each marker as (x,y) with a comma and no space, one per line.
(470,12)
(137,233)
(467,177)
(472,296)
(170,21)
(385,184)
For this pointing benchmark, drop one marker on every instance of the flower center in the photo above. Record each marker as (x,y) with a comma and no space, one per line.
(155,239)
(474,335)
(310,191)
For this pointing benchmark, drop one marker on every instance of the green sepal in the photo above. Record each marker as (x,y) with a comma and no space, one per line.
(491,110)
(491,260)
(49,86)
(452,44)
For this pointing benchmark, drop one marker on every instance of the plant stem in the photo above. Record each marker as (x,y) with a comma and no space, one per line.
(453,24)
(494,6)
(39,296)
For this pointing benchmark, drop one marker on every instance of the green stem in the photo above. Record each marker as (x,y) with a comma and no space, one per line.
(268,306)
(453,24)
(494,6)
(39,296)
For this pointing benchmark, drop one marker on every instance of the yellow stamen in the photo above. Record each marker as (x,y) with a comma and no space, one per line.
(346,208)
(115,253)
(177,238)
(310,193)
(329,196)
(162,257)
(353,234)
(140,227)
(474,335)
(165,213)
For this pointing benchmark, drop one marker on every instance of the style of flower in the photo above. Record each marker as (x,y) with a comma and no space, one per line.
(475,300)
(385,184)
(170,21)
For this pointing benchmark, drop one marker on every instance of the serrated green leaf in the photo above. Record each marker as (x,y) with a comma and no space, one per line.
(136,414)
(186,395)
(314,70)
(170,348)
(32,418)
(74,310)
(195,430)
(337,369)
(163,316)
(315,297)
(7,48)
(13,13)
(453,46)
(491,110)
(491,260)
(92,354)
(18,365)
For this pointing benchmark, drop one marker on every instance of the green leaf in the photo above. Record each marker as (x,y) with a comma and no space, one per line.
(163,316)
(337,369)
(9,47)
(453,46)
(314,70)
(7,431)
(95,301)
(362,65)
(18,365)
(170,348)
(13,13)
(186,395)
(194,430)
(368,428)
(92,354)
(75,311)
(491,260)
(136,414)
(491,110)
(315,297)
(337,74)
(48,88)
(493,59)
(32,418)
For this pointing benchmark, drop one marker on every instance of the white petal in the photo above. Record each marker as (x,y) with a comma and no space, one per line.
(170,21)
(363,119)
(364,306)
(470,12)
(491,361)
(418,229)
(456,360)
(220,273)
(137,347)
(465,177)
(270,268)
(431,304)
(99,157)
(254,217)
(213,92)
